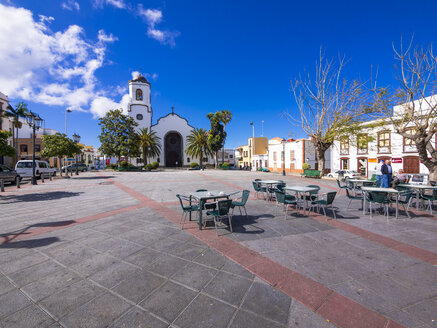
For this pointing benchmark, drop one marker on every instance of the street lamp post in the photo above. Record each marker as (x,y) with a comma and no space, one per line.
(76,139)
(283,156)
(66,112)
(34,121)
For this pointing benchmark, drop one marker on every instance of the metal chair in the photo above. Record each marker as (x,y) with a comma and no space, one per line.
(433,183)
(186,209)
(430,198)
(286,201)
(380,198)
(324,203)
(223,207)
(241,203)
(340,186)
(258,188)
(405,198)
(352,197)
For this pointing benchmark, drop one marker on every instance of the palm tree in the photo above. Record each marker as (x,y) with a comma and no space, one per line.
(198,145)
(15,115)
(225,117)
(149,143)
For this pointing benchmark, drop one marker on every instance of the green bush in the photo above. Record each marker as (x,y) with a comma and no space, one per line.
(112,166)
(224,166)
(148,167)
(155,165)
(306,166)
(123,164)
(193,165)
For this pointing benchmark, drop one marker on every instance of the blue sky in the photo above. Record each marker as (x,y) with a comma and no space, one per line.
(200,56)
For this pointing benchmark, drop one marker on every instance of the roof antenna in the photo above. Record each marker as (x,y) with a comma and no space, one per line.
(172,110)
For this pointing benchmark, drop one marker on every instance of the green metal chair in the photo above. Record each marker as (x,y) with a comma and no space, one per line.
(430,198)
(344,187)
(380,198)
(241,202)
(373,178)
(286,201)
(352,197)
(405,198)
(186,209)
(369,184)
(223,207)
(258,188)
(324,203)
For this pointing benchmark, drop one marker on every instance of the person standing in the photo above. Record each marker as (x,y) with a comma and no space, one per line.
(390,173)
(384,171)
(378,172)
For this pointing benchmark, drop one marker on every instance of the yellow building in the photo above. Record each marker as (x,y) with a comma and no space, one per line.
(255,146)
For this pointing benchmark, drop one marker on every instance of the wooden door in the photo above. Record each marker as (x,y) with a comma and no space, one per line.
(411,164)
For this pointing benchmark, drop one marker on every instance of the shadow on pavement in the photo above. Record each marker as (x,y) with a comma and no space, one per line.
(10,236)
(97,177)
(38,197)
(33,243)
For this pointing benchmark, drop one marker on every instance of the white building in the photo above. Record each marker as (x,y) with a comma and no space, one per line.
(350,154)
(5,125)
(171,128)
(296,153)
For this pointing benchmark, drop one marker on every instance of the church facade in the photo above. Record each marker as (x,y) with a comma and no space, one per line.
(172,129)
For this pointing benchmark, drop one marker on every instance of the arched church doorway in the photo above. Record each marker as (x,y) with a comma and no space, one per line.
(173,149)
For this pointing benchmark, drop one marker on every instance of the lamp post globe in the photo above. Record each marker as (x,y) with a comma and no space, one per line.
(76,139)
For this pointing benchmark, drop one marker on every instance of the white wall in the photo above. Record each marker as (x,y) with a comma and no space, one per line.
(173,123)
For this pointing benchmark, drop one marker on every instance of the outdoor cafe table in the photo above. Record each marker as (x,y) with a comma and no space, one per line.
(203,196)
(386,190)
(417,188)
(359,181)
(268,183)
(301,190)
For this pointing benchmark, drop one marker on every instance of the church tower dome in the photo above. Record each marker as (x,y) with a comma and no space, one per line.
(139,106)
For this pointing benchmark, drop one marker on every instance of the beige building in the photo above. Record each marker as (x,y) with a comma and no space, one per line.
(247,154)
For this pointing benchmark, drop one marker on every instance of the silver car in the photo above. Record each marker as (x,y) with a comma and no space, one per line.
(7,174)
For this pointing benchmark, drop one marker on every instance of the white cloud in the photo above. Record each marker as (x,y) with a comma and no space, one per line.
(70,5)
(153,17)
(101,105)
(53,68)
(121,4)
(135,74)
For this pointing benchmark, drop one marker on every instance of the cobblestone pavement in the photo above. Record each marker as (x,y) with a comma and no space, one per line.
(105,249)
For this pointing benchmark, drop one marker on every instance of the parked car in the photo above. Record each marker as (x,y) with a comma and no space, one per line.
(72,167)
(24,168)
(344,174)
(8,175)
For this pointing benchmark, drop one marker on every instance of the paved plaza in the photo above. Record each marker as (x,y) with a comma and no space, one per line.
(106,250)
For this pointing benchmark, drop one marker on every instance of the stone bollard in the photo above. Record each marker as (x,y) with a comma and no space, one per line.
(50,176)
(2,185)
(17,182)
(42,178)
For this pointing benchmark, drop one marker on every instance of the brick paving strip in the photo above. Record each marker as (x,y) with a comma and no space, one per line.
(335,308)
(410,250)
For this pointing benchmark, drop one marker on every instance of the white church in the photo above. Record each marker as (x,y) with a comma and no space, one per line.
(171,128)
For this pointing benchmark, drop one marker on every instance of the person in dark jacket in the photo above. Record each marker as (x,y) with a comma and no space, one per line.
(385,175)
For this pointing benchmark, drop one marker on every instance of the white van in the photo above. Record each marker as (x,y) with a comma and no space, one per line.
(24,168)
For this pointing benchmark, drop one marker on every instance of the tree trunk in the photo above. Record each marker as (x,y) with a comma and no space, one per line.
(433,173)
(144,156)
(60,166)
(223,155)
(15,146)
(201,158)
(320,156)
(216,160)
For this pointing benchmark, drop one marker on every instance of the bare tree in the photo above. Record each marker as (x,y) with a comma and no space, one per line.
(329,105)
(412,107)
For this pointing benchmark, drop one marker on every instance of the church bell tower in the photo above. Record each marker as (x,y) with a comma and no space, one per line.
(139,107)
